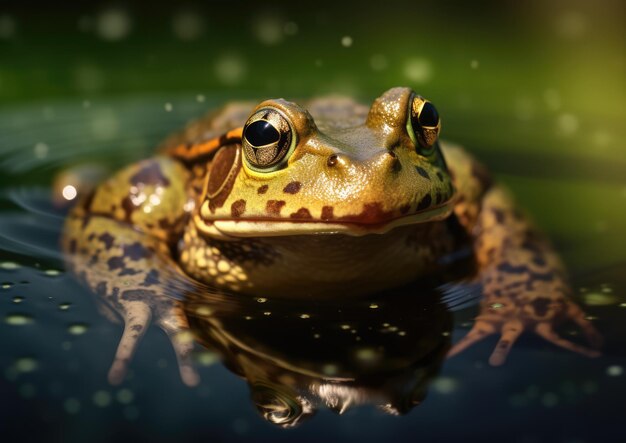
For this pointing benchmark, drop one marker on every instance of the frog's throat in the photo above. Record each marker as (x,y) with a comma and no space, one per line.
(278,228)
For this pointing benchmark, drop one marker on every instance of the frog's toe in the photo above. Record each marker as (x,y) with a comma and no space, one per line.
(135,325)
(176,328)
(578,316)
(545,330)
(510,333)
(480,330)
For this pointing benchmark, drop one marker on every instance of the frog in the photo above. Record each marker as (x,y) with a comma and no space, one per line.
(329,199)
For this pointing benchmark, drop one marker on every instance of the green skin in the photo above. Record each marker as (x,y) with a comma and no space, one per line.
(356,206)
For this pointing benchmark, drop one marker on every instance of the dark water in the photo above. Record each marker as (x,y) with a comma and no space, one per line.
(57,348)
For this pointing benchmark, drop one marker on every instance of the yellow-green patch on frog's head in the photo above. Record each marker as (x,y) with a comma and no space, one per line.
(349,170)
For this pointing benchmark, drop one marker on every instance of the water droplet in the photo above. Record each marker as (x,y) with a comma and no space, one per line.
(247,317)
(599,299)
(445,334)
(9,266)
(346,41)
(316,336)
(77,328)
(614,370)
(200,98)
(496,306)
(18,299)
(168,107)
(305,316)
(474,64)
(102,399)
(187,25)
(131,413)
(401,333)
(268,28)
(261,300)
(125,396)
(113,24)
(69,192)
(230,69)
(41,150)
(6,285)
(27,390)
(622,305)
(567,125)
(418,70)
(378,62)
(52,272)
(329,369)
(18,319)
(445,385)
(549,399)
(345,327)
(204,311)
(206,358)
(26,364)
(373,306)
(64,306)
(291,28)
(367,355)
(267,313)
(72,406)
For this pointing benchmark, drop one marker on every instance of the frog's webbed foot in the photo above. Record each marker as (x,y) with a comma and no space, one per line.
(170,318)
(511,324)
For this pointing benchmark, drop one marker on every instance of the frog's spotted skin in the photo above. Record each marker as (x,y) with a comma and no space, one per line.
(361,201)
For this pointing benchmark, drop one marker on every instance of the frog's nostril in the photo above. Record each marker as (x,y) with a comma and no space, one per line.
(332,160)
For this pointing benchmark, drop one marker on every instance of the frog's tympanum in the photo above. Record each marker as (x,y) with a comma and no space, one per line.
(332,200)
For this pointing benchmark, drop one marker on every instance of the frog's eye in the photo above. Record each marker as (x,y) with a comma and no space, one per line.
(267,139)
(423,124)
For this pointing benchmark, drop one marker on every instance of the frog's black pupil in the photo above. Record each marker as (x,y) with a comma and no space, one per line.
(429,115)
(261,133)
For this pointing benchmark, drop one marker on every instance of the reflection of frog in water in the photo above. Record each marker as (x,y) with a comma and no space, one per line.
(337,353)
(342,201)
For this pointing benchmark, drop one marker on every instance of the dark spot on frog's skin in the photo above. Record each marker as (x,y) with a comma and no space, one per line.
(101,289)
(93,260)
(129,271)
(136,328)
(425,202)
(292,188)
(238,208)
(439,198)
(508,267)
(72,246)
(482,175)
(129,207)
(136,251)
(137,294)
(499,215)
(152,278)
(440,176)
(262,189)
(150,174)
(115,263)
(107,239)
(421,171)
(302,213)
(273,207)
(539,260)
(541,305)
(404,209)
(327,213)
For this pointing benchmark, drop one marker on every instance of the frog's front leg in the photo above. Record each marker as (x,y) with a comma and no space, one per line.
(524,283)
(133,277)
(118,241)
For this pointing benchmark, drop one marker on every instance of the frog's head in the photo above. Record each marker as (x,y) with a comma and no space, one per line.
(346,171)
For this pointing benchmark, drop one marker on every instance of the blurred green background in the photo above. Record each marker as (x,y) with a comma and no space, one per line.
(536,88)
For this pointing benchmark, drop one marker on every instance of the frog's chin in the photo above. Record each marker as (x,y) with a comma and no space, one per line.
(279,228)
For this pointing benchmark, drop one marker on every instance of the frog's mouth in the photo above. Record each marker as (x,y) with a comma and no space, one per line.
(285,227)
